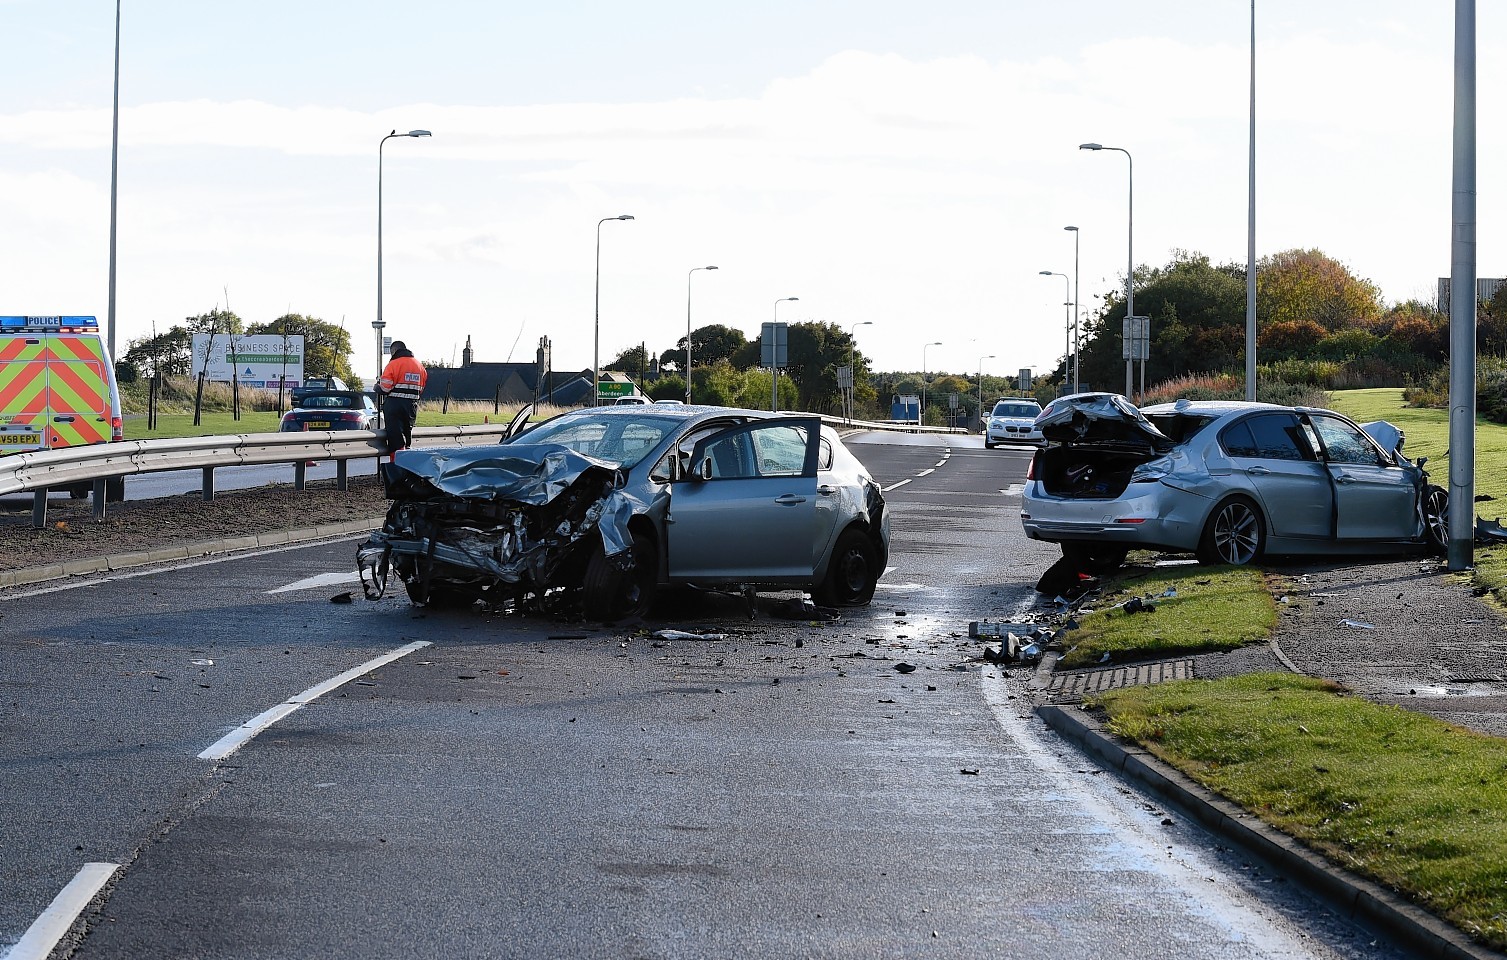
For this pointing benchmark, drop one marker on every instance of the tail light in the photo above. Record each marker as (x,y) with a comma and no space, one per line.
(1031,470)
(352,417)
(117,430)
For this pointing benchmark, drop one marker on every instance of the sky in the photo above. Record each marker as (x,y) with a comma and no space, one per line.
(909,166)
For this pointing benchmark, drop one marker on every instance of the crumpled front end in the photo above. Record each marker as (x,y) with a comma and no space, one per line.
(508,524)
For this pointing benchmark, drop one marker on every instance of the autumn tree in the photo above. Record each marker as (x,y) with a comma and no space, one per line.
(1308,285)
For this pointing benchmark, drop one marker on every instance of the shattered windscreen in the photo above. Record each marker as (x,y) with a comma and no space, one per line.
(624,440)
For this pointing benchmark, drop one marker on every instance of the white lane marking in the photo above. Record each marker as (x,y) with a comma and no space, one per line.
(1014,490)
(187,565)
(43,935)
(242,735)
(925,472)
(320,580)
(941,463)
(886,489)
(1125,840)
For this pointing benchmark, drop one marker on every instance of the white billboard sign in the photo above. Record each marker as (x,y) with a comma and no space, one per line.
(259,361)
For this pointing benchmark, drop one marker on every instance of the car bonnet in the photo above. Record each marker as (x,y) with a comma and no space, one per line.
(1101,418)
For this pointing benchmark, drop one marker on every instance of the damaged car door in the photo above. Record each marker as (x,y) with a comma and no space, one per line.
(1282,467)
(1374,496)
(745,508)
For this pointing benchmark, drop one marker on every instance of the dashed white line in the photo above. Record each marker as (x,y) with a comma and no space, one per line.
(242,735)
(894,485)
(43,935)
(320,580)
(925,472)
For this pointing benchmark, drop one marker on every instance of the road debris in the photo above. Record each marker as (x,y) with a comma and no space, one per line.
(688,635)
(1357,624)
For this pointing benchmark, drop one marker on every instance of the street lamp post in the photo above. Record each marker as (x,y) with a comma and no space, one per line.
(921,413)
(853,368)
(412,133)
(377,326)
(987,356)
(1129,242)
(688,277)
(596,335)
(774,370)
(1067,319)
(1077,343)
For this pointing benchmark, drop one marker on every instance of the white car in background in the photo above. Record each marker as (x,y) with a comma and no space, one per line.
(1013,420)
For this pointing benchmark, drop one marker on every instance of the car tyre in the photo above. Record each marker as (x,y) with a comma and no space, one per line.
(610,593)
(1234,534)
(1436,517)
(438,596)
(853,573)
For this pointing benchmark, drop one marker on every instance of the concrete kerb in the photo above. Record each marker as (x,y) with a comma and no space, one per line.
(1350,894)
(138,558)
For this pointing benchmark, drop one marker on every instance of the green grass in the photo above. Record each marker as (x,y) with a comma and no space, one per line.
(221,423)
(1428,436)
(1413,803)
(1216,608)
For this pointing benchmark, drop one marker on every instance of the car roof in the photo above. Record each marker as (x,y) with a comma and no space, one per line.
(1210,408)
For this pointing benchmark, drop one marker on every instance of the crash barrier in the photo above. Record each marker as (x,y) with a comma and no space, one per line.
(39,471)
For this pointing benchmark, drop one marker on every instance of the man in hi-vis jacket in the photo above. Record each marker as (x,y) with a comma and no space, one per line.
(401,385)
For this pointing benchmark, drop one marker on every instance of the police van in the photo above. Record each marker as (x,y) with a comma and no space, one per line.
(57,388)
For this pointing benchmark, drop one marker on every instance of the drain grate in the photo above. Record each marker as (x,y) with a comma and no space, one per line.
(1076,686)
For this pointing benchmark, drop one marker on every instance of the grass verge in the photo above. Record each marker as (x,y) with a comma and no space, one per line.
(1216,608)
(1413,803)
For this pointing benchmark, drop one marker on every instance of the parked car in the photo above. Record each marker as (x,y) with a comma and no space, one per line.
(1229,481)
(601,508)
(1013,420)
(331,410)
(631,400)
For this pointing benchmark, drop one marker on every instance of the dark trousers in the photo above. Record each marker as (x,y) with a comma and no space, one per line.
(400,416)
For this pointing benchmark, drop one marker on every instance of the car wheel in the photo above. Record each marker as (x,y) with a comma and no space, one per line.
(853,572)
(1234,534)
(1095,558)
(438,597)
(1436,517)
(988,445)
(610,593)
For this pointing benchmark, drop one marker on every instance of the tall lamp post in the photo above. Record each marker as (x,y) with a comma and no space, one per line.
(688,277)
(377,326)
(1067,319)
(774,371)
(987,356)
(921,413)
(412,133)
(852,368)
(114,156)
(1129,242)
(1077,344)
(596,335)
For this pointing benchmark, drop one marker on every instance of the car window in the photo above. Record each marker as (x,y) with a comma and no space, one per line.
(1344,443)
(1025,410)
(824,458)
(1270,436)
(781,450)
(622,440)
(732,457)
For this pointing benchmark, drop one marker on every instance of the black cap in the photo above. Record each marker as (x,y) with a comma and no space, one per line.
(398,345)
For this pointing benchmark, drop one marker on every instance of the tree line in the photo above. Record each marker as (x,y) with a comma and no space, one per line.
(327,346)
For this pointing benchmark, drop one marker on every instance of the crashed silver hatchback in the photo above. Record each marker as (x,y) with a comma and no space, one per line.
(596,510)
(1226,480)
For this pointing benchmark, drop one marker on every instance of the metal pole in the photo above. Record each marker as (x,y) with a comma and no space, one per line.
(1077,344)
(921,413)
(1250,253)
(987,356)
(1129,245)
(596,337)
(1462,297)
(688,277)
(114,156)
(853,366)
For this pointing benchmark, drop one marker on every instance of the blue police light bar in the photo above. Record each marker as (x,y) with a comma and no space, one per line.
(47,323)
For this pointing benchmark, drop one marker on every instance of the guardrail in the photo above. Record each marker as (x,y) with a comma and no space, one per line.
(43,470)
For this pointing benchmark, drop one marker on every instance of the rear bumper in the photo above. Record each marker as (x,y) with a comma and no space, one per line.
(1156,516)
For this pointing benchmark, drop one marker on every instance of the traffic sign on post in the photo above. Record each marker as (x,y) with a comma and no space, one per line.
(774,345)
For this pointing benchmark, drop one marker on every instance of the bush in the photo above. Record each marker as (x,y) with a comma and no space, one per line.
(1491,389)
(1226,386)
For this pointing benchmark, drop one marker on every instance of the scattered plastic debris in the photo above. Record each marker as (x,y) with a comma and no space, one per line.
(1357,624)
(969,771)
(983,630)
(687,635)
(905,667)
(203,662)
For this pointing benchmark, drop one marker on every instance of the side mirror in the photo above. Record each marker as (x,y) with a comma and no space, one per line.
(704,469)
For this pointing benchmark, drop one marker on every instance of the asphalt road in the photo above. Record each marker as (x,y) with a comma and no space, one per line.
(525,788)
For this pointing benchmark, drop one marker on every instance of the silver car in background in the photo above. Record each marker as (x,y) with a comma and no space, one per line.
(597,510)
(1013,420)
(1228,481)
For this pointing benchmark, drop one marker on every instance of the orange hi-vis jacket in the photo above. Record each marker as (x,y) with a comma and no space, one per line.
(403,378)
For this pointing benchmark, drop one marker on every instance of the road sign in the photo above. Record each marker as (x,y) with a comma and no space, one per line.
(1024,383)
(612,389)
(1135,338)
(845,377)
(774,344)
